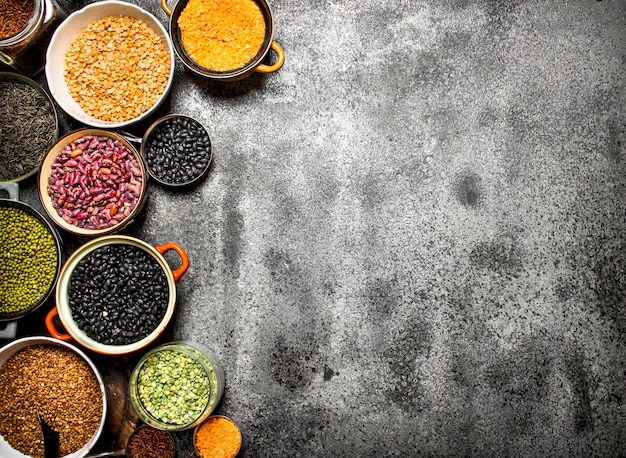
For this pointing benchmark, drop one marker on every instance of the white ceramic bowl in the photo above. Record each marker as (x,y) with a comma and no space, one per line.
(6,451)
(65,34)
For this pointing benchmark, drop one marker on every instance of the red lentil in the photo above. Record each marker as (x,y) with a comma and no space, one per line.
(217,437)
(222,35)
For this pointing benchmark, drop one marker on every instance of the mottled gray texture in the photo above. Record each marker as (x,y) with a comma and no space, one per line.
(411,241)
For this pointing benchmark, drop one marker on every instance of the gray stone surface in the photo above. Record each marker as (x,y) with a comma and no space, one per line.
(411,241)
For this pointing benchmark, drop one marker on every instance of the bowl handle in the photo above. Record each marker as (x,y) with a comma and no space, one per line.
(280,59)
(177,273)
(52,329)
(9,331)
(166,7)
(13,189)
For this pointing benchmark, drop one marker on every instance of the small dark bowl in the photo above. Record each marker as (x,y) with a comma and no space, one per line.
(176,150)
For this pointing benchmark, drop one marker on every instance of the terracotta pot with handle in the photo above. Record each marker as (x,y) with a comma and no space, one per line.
(64,312)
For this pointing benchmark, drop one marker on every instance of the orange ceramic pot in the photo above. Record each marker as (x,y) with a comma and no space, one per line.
(64,312)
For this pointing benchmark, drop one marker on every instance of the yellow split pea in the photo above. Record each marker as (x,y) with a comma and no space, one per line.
(222,35)
(117,68)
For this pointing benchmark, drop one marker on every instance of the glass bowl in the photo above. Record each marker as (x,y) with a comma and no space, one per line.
(176,386)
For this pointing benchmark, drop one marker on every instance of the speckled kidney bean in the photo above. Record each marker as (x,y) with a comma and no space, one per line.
(95,182)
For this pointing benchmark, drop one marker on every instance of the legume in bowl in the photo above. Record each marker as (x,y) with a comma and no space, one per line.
(58,380)
(30,257)
(224,40)
(177,151)
(217,436)
(116,294)
(110,64)
(177,385)
(92,182)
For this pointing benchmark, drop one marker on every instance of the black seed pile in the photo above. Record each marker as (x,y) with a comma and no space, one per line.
(178,151)
(118,294)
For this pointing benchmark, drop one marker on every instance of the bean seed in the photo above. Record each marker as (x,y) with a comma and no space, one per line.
(28,261)
(118,294)
(178,150)
(84,188)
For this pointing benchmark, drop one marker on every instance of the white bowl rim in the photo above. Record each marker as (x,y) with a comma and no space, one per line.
(13,347)
(56,83)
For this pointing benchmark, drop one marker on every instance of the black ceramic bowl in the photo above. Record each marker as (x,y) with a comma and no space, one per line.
(14,203)
(255,65)
(176,150)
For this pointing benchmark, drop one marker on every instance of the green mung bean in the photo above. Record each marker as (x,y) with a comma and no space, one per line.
(28,260)
(173,387)
(14,16)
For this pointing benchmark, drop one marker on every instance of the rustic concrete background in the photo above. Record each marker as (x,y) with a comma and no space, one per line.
(411,241)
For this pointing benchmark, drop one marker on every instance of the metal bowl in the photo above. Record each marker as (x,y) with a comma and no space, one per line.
(10,76)
(12,202)
(6,451)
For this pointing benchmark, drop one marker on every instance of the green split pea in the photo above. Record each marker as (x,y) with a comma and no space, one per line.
(173,387)
(28,260)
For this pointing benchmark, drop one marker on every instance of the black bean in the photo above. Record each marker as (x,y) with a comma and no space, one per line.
(108,307)
(175,146)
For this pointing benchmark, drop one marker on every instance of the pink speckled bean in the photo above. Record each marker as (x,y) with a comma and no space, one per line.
(84,188)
